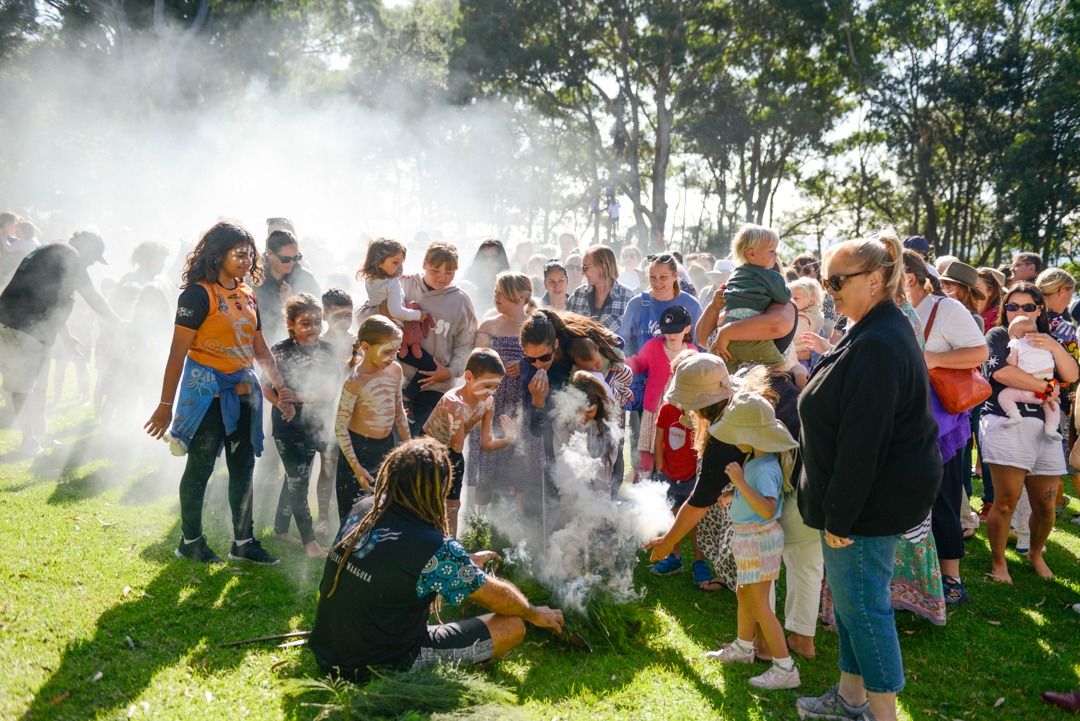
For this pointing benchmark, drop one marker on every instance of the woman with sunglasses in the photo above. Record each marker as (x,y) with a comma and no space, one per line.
(871,469)
(284,278)
(1022,456)
(952,340)
(602,297)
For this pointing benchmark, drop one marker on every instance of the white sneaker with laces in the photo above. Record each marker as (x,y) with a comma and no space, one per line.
(731,654)
(777,678)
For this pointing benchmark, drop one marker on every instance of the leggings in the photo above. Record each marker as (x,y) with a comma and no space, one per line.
(945,519)
(297,455)
(202,454)
(370,452)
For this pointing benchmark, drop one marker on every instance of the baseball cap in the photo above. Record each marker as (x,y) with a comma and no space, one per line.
(89,245)
(917,243)
(674,319)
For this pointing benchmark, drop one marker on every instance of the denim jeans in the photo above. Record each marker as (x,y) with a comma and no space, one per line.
(297,456)
(859,577)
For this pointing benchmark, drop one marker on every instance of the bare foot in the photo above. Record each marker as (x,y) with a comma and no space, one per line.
(801,645)
(999,573)
(1039,565)
(314,550)
(290,538)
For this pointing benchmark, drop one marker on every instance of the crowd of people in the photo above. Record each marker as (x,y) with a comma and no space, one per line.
(824,418)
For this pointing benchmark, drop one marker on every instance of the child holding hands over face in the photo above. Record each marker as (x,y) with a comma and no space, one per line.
(750,424)
(460,409)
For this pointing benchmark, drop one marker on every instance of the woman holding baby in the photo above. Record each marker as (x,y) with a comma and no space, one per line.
(1021,448)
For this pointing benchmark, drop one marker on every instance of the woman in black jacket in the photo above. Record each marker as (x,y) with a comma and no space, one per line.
(871,469)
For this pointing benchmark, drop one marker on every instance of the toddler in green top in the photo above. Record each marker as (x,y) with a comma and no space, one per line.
(751,289)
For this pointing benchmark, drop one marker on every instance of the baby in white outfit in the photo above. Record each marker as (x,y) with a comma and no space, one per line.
(1034,361)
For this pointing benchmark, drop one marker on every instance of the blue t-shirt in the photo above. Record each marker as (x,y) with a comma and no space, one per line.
(637,329)
(763,474)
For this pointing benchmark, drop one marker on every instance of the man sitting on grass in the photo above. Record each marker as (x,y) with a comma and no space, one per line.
(391,558)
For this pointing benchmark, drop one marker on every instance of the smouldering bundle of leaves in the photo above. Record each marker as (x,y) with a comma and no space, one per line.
(606,624)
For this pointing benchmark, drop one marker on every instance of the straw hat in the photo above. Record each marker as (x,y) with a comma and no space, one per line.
(965,275)
(700,381)
(749,420)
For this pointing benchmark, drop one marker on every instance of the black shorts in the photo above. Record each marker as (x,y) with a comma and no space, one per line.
(467,641)
(678,492)
(458,462)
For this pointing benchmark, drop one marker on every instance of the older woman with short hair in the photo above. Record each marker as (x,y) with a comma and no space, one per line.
(602,297)
(871,469)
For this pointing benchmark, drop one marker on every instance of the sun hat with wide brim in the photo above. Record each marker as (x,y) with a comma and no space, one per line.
(699,381)
(749,420)
(720,272)
(965,275)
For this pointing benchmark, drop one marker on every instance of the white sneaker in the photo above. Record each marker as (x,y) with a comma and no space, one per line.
(731,654)
(777,678)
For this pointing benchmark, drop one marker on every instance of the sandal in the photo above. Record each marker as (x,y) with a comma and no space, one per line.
(968,534)
(702,572)
(713,584)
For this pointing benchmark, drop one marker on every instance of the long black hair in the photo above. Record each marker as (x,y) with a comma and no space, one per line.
(204,263)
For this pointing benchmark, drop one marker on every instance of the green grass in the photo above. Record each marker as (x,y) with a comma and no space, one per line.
(99,620)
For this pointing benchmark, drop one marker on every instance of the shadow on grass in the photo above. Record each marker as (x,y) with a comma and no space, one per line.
(178,619)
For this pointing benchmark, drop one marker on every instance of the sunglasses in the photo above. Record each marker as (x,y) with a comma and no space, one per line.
(662,258)
(808,269)
(290,258)
(1026,307)
(538,359)
(836,282)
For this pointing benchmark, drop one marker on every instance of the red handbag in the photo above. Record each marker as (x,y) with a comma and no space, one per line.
(958,389)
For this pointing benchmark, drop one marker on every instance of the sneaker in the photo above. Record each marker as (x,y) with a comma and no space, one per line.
(831,706)
(1076,607)
(731,654)
(252,551)
(667,566)
(776,678)
(196,551)
(954,591)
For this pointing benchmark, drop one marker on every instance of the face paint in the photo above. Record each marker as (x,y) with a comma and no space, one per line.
(486,387)
(384,352)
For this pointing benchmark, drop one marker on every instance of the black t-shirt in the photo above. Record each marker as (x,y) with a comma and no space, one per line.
(997,338)
(315,374)
(194,305)
(268,294)
(39,297)
(378,615)
(711,478)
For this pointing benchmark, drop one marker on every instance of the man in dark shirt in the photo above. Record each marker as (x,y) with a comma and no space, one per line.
(34,308)
(284,277)
(389,562)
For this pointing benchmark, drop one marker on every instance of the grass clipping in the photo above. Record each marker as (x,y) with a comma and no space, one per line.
(607,624)
(443,689)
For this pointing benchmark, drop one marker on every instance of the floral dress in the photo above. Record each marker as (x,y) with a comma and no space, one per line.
(496,473)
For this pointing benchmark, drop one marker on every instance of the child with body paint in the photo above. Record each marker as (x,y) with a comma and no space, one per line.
(460,409)
(309,368)
(369,410)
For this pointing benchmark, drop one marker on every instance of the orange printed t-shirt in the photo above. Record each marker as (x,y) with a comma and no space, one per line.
(225,322)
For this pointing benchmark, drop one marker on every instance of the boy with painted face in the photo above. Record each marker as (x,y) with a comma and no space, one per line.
(460,409)
(369,410)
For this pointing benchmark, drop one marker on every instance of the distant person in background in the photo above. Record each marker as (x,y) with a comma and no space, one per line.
(991,283)
(630,260)
(721,271)
(489,261)
(34,308)
(523,251)
(17,238)
(568,245)
(1026,267)
(555,281)
(574,271)
(284,278)
(918,244)
(148,260)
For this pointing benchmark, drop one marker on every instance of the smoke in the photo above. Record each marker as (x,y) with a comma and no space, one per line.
(590,541)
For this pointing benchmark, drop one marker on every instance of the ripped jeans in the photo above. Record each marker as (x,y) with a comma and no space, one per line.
(297,455)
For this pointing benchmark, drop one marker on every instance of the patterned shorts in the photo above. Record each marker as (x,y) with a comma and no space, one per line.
(467,642)
(758,550)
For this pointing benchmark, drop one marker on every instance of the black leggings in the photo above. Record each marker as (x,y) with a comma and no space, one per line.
(370,452)
(945,521)
(297,455)
(202,454)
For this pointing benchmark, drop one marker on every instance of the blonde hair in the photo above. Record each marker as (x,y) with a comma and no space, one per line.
(811,287)
(512,285)
(880,251)
(604,258)
(1052,280)
(748,237)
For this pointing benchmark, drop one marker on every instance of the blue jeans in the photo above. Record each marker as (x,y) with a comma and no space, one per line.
(859,577)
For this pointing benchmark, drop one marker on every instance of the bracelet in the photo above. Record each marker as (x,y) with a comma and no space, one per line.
(163,403)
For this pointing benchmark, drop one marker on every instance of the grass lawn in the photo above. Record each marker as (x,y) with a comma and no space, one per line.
(99,620)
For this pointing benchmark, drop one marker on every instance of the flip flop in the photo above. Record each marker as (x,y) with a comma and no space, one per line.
(713,584)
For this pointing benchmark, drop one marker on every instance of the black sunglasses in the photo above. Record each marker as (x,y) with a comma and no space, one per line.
(662,257)
(1026,307)
(807,269)
(836,282)
(538,359)
(289,258)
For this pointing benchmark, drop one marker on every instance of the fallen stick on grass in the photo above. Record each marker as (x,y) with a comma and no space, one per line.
(275,637)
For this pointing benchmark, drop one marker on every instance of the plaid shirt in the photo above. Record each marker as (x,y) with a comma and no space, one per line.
(610,316)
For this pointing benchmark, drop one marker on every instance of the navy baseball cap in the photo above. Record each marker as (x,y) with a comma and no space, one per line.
(674,320)
(917,243)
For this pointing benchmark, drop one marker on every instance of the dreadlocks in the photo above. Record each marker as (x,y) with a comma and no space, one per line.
(415,476)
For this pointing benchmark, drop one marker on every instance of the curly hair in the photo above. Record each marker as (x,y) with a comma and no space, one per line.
(204,262)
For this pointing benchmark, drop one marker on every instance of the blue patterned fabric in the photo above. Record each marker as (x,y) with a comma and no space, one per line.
(450,573)
(198,387)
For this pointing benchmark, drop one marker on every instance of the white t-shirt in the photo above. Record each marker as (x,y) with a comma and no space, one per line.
(954,326)
(1031,359)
